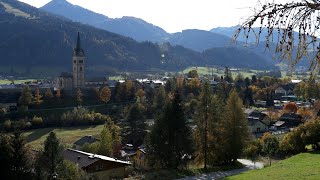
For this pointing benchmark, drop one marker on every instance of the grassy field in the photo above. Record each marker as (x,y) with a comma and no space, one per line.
(301,166)
(168,174)
(220,72)
(15,81)
(67,136)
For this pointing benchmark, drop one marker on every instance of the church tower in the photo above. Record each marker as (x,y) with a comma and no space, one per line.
(78,59)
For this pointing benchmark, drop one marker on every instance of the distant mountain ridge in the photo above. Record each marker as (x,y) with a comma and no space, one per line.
(33,39)
(132,27)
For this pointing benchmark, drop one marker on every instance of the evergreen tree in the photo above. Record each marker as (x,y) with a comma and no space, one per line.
(170,85)
(105,144)
(14,157)
(37,100)
(227,75)
(52,154)
(48,96)
(207,134)
(159,100)
(26,97)
(135,133)
(170,141)
(20,159)
(235,128)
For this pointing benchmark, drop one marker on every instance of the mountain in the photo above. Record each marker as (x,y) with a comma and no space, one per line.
(135,28)
(34,39)
(34,42)
(199,40)
(242,57)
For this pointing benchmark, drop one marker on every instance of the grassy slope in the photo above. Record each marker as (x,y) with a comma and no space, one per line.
(67,136)
(301,166)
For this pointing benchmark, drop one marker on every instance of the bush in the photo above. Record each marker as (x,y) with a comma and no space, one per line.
(37,121)
(82,116)
(307,134)
(3,111)
(7,125)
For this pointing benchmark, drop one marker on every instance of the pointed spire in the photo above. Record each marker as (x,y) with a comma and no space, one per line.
(78,42)
(77,50)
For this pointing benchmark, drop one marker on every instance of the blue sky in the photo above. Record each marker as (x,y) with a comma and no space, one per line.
(171,15)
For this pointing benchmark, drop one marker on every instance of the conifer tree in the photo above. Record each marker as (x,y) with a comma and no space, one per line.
(105,144)
(37,100)
(170,142)
(207,133)
(52,153)
(235,128)
(26,97)
(159,100)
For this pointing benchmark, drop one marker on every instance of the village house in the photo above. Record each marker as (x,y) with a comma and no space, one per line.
(85,140)
(288,120)
(140,160)
(284,90)
(258,122)
(97,166)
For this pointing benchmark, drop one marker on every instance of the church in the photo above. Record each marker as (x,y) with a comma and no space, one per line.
(70,81)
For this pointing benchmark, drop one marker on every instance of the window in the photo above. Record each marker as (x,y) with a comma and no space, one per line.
(74,61)
(80,61)
(80,68)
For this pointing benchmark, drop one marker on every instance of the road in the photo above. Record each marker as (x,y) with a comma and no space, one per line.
(220,174)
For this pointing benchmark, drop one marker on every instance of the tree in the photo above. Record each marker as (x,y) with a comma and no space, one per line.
(207,118)
(135,133)
(26,97)
(227,75)
(79,96)
(105,145)
(105,94)
(290,107)
(159,100)
(52,154)
(235,128)
(270,145)
(170,141)
(280,20)
(58,94)
(253,150)
(37,100)
(14,157)
(48,94)
(140,94)
(193,74)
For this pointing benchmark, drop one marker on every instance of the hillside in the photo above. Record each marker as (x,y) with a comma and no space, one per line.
(199,40)
(48,40)
(301,166)
(135,28)
(244,58)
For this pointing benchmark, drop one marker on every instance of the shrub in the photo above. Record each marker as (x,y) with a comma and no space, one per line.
(37,121)
(82,116)
(7,125)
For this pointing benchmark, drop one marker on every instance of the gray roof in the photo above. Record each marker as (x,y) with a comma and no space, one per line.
(86,139)
(66,75)
(84,159)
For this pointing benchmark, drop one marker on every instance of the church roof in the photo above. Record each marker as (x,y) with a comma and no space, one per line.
(66,75)
(78,51)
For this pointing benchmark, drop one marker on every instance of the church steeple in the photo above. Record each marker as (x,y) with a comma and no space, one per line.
(78,42)
(78,51)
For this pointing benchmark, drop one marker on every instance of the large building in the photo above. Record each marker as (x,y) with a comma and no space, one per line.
(75,80)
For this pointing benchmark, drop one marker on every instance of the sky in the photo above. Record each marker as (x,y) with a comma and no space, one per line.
(171,15)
